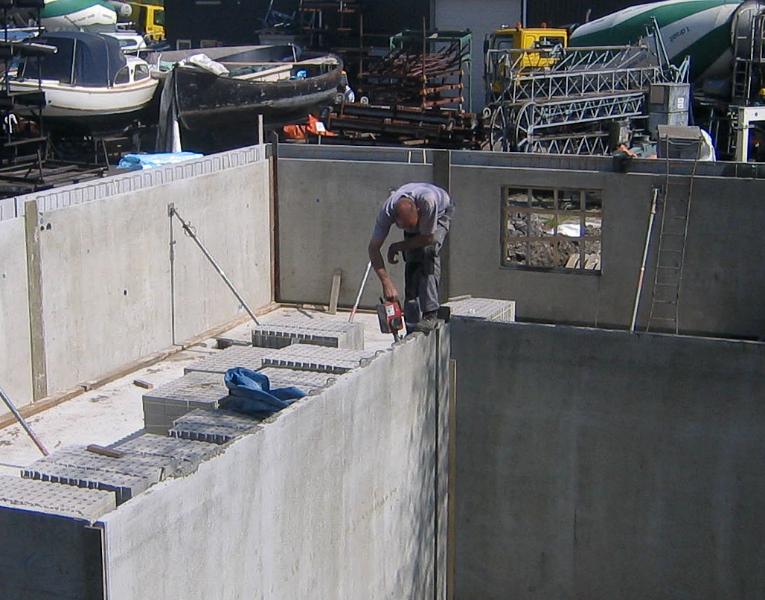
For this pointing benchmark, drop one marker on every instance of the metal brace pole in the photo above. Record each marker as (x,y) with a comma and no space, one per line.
(361,291)
(639,291)
(22,422)
(189,230)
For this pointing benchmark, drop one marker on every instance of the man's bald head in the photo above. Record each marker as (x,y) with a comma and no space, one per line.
(405,213)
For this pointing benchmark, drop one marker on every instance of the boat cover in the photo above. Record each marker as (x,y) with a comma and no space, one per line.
(83,58)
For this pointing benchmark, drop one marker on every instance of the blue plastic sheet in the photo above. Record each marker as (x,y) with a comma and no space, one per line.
(250,393)
(136,162)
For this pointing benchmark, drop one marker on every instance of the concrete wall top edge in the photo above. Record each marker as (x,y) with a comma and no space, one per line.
(523,160)
(131,181)
(607,332)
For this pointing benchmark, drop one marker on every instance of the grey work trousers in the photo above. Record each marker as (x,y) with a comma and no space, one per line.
(423,267)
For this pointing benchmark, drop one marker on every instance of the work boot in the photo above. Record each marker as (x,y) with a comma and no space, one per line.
(428,322)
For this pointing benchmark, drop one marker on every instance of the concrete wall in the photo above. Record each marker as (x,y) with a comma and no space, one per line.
(720,285)
(15,349)
(599,464)
(111,293)
(326,217)
(335,498)
(480,17)
(49,557)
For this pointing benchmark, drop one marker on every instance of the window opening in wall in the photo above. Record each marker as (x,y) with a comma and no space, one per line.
(552,229)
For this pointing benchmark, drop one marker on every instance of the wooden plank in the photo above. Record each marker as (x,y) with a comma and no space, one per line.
(34,287)
(334,292)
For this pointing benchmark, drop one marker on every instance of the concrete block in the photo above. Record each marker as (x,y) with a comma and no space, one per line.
(489,309)
(314,358)
(124,486)
(234,356)
(334,334)
(163,405)
(184,453)
(55,498)
(213,426)
(127,476)
(306,381)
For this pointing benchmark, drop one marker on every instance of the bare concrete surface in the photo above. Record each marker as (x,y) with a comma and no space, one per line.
(107,414)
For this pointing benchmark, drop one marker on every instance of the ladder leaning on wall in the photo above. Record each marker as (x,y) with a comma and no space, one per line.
(670,256)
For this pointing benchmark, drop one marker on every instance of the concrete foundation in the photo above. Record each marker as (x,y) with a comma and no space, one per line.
(15,365)
(342,495)
(599,464)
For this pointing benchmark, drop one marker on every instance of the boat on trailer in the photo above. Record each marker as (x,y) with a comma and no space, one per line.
(89,84)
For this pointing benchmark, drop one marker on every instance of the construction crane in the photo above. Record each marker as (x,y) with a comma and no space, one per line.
(724,40)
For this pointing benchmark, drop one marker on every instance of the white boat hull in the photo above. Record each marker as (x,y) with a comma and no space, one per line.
(83,104)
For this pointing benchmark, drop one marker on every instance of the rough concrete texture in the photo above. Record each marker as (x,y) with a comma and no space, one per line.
(54,498)
(107,273)
(337,497)
(483,308)
(598,464)
(337,333)
(15,366)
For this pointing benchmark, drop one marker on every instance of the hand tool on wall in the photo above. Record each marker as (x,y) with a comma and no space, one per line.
(391,317)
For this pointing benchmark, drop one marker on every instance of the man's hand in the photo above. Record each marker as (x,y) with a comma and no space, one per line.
(394,249)
(390,292)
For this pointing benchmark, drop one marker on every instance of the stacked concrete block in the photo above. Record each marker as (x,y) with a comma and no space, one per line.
(233,356)
(333,334)
(55,498)
(163,405)
(305,381)
(488,309)
(126,476)
(213,427)
(313,358)
(185,454)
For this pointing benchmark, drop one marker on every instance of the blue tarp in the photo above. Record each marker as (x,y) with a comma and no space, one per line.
(250,393)
(135,162)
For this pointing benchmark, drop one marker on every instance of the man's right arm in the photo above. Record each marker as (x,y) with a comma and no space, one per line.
(375,257)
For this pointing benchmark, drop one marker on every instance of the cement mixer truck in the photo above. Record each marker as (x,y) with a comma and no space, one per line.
(724,40)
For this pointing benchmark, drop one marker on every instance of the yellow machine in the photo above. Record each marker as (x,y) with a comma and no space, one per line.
(510,51)
(149,19)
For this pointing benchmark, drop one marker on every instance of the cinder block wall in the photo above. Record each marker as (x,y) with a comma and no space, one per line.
(343,495)
(108,291)
(598,464)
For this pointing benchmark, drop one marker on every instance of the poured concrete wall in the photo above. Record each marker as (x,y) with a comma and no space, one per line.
(327,211)
(597,464)
(49,557)
(112,290)
(107,291)
(336,498)
(15,349)
(721,288)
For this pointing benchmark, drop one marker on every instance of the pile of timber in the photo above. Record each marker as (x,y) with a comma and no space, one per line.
(403,125)
(403,78)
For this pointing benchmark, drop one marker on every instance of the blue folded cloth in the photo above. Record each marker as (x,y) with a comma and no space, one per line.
(250,392)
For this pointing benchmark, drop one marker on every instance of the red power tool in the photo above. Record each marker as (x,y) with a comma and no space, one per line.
(391,317)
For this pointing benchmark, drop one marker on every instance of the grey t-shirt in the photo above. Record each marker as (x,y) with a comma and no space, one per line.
(431,202)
